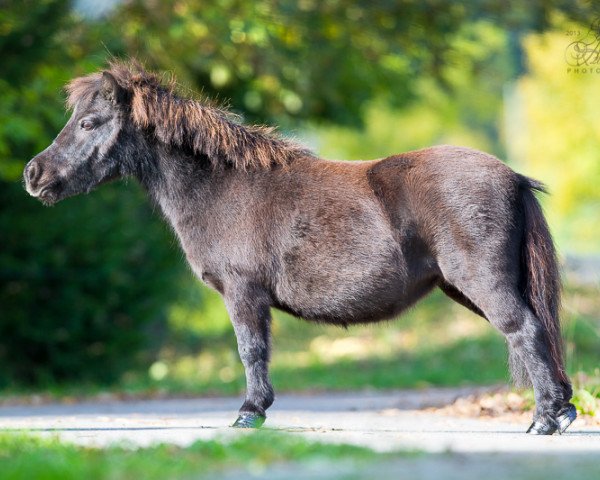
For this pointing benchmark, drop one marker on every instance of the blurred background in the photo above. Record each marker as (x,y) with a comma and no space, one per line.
(95,294)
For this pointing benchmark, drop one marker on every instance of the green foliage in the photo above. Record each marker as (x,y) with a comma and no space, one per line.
(586,395)
(586,402)
(558,139)
(82,284)
(27,29)
(27,457)
(438,343)
(432,345)
(321,60)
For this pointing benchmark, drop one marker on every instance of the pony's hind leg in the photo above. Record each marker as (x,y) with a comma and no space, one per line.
(506,310)
(459,297)
(528,346)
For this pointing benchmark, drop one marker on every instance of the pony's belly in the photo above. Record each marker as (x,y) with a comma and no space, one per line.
(362,300)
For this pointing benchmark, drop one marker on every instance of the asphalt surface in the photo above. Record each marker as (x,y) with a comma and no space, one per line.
(384,422)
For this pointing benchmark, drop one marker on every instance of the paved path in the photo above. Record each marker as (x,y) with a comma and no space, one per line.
(381,421)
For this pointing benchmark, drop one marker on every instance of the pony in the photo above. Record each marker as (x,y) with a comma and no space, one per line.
(269,224)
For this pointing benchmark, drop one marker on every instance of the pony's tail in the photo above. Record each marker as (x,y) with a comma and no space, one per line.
(540,281)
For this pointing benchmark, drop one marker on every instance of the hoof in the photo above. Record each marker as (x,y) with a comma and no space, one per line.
(249,420)
(539,428)
(566,417)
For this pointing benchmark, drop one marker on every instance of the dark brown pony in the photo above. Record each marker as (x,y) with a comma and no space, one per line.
(268,224)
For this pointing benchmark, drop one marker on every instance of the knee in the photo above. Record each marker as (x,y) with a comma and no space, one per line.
(514,320)
(252,354)
(509,325)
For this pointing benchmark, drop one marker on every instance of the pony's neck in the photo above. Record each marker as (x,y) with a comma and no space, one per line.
(177,180)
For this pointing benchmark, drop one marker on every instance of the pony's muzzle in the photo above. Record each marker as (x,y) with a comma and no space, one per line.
(40,182)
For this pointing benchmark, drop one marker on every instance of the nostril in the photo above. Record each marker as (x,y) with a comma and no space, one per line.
(33,172)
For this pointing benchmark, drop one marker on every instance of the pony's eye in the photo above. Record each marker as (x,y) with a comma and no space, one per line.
(87,124)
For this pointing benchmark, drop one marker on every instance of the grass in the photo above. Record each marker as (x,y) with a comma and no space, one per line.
(438,343)
(586,395)
(266,454)
(581,308)
(31,457)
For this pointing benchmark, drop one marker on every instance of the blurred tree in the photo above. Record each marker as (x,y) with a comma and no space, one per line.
(309,59)
(27,29)
(559,136)
(465,112)
(83,284)
(27,101)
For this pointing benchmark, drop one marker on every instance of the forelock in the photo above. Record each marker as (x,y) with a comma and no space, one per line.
(82,89)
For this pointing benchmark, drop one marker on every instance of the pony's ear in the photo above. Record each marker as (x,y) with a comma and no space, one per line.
(111,90)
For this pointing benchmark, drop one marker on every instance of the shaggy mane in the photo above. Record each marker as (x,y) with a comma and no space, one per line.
(184,122)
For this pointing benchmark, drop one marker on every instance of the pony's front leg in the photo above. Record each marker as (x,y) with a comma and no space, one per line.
(248,309)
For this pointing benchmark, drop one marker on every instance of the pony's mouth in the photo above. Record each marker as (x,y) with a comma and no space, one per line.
(48,194)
